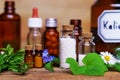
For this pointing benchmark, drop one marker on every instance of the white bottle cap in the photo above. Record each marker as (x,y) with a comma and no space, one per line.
(35,21)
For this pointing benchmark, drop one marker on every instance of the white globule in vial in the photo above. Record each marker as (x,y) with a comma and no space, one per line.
(67,45)
(67,50)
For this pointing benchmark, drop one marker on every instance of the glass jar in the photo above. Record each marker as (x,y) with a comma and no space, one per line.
(67,45)
(51,37)
(86,44)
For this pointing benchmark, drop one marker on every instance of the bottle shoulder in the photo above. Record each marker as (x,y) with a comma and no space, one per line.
(10,16)
(51,31)
(104,2)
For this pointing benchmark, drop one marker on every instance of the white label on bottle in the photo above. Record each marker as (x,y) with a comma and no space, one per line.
(109,26)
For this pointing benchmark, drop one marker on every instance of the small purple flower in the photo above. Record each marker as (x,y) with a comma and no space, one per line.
(46,57)
(51,58)
(45,53)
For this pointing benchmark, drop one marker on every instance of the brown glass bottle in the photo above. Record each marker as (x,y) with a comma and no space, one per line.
(51,37)
(10,26)
(96,10)
(29,55)
(38,62)
(77,32)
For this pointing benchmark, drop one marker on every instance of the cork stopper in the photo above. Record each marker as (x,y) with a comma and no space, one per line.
(68,27)
(38,47)
(67,30)
(28,47)
(87,34)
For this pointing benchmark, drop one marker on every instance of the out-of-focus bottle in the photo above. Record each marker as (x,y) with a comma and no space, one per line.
(51,37)
(34,24)
(29,55)
(96,10)
(77,32)
(10,29)
(38,62)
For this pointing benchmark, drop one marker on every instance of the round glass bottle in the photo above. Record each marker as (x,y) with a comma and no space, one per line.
(51,37)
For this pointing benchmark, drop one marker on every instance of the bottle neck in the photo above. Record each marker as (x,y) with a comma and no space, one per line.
(49,28)
(9,7)
(34,29)
(9,10)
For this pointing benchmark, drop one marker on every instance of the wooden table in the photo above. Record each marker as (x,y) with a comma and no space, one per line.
(59,74)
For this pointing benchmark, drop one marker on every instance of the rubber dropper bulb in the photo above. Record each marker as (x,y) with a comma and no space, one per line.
(35,21)
(35,13)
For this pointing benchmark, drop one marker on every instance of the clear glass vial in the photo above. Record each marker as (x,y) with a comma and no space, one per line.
(86,44)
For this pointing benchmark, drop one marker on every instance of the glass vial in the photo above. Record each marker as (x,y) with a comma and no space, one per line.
(67,45)
(38,62)
(86,44)
(10,29)
(34,24)
(29,55)
(96,10)
(51,37)
(77,32)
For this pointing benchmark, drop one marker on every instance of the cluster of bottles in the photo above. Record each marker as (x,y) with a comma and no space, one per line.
(70,44)
(63,47)
(50,39)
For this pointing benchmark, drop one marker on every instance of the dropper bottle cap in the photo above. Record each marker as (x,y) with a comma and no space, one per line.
(35,21)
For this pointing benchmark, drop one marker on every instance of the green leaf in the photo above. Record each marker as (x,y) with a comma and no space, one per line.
(74,67)
(1,59)
(115,67)
(49,66)
(56,60)
(24,68)
(21,51)
(5,66)
(93,71)
(94,59)
(94,65)
(13,61)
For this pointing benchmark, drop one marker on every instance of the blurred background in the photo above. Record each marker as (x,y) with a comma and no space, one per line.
(63,10)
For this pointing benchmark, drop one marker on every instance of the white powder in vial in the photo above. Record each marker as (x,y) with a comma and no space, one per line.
(67,49)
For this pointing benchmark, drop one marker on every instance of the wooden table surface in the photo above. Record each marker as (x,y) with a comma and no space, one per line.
(59,74)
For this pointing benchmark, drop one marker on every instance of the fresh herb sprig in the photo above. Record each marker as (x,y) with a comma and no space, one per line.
(12,61)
